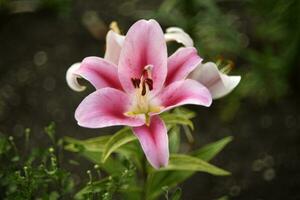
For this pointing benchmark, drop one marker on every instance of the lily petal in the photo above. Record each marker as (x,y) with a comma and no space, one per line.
(106,107)
(114,43)
(154,142)
(178,35)
(184,92)
(181,63)
(72,77)
(219,84)
(144,46)
(99,72)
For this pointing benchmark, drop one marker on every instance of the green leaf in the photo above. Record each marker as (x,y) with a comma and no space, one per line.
(96,144)
(211,150)
(171,178)
(50,131)
(120,138)
(180,162)
(177,119)
(92,150)
(94,187)
(93,144)
(174,139)
(177,194)
(133,191)
(111,166)
(186,112)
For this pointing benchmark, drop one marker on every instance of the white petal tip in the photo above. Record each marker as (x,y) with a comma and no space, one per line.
(229,83)
(178,35)
(71,78)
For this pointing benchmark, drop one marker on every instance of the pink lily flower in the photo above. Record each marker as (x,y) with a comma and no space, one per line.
(114,43)
(218,83)
(142,83)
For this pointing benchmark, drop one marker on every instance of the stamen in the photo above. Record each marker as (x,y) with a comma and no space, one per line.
(144,89)
(149,82)
(135,82)
(138,81)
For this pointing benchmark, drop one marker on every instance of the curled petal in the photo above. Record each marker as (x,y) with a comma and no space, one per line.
(178,35)
(144,48)
(114,43)
(71,78)
(184,92)
(154,142)
(181,63)
(99,72)
(219,84)
(106,107)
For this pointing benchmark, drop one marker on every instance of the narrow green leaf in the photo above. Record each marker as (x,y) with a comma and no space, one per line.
(94,187)
(174,139)
(171,178)
(133,191)
(186,112)
(92,149)
(211,150)
(117,140)
(182,162)
(92,144)
(177,119)
(111,166)
(176,195)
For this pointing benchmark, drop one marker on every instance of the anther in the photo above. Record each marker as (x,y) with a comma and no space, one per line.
(144,89)
(149,82)
(135,82)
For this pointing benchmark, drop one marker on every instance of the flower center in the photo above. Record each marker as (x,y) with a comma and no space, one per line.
(143,102)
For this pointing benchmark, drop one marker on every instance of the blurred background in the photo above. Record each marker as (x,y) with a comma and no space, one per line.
(40,39)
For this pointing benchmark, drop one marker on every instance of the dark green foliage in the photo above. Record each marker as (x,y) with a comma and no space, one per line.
(120,168)
(110,187)
(261,37)
(32,173)
(61,7)
(129,174)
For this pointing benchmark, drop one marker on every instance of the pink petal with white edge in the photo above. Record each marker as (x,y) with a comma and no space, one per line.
(154,142)
(178,35)
(219,84)
(181,63)
(184,92)
(106,107)
(72,77)
(114,43)
(144,45)
(99,72)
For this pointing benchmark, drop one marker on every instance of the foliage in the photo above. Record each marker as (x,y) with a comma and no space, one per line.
(262,38)
(35,173)
(120,157)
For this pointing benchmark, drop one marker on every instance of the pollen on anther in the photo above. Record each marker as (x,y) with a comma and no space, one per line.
(149,82)
(144,89)
(135,82)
